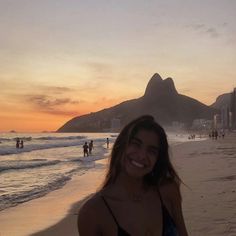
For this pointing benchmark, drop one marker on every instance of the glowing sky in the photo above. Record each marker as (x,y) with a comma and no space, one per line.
(63,58)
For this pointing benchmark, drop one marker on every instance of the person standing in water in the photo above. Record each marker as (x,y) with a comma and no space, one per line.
(85,148)
(90,147)
(21,143)
(17,143)
(141,191)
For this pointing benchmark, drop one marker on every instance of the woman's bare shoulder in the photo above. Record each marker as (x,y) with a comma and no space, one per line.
(89,211)
(170,190)
(89,216)
(91,205)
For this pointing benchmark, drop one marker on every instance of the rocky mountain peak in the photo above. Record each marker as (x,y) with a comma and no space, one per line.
(157,86)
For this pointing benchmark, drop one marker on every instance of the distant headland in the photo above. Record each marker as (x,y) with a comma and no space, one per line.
(160,99)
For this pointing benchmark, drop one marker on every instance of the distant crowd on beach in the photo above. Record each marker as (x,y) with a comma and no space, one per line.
(19,143)
(87,148)
(214,134)
(191,136)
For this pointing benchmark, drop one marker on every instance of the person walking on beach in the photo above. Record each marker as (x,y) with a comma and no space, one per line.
(141,191)
(90,147)
(213,134)
(223,134)
(107,142)
(85,148)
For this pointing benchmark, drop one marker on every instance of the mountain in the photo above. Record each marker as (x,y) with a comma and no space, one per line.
(160,99)
(222,101)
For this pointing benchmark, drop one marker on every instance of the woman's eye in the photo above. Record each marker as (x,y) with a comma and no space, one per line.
(135,144)
(153,152)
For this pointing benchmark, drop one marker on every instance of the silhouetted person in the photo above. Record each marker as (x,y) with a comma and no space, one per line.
(213,134)
(17,143)
(21,143)
(223,134)
(107,142)
(90,147)
(85,147)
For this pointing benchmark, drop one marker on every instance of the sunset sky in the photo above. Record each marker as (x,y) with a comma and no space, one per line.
(64,58)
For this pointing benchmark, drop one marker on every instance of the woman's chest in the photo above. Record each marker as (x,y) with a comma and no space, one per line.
(136,218)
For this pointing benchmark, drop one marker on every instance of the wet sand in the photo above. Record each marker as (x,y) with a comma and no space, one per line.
(57,208)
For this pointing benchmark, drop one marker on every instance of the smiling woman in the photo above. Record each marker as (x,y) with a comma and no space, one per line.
(141,154)
(140,194)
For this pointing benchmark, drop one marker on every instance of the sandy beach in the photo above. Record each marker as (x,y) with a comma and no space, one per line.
(208,168)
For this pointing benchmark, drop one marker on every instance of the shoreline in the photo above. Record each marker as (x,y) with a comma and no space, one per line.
(207,167)
(41,214)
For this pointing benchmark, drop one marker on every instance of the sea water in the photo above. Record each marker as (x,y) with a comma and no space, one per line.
(48,161)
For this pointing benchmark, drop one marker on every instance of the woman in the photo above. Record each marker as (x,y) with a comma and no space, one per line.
(141,192)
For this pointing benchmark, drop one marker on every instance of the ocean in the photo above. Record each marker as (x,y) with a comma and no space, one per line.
(48,161)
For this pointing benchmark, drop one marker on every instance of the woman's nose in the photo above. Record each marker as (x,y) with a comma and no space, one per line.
(142,153)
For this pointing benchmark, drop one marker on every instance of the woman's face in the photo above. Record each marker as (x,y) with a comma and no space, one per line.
(141,154)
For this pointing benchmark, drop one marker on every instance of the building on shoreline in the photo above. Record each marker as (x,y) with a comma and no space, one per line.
(232,113)
(202,124)
(226,118)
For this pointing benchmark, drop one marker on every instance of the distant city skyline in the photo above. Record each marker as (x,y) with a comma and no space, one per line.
(60,59)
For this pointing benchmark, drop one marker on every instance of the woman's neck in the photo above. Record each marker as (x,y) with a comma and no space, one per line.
(132,188)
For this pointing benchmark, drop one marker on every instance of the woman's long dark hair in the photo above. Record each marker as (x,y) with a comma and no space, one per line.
(163,169)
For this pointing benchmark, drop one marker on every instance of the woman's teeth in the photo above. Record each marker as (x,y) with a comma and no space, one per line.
(137,164)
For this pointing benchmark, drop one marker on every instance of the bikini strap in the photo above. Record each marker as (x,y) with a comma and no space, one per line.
(107,205)
(162,203)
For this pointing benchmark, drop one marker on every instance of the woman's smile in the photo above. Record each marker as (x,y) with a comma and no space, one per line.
(136,164)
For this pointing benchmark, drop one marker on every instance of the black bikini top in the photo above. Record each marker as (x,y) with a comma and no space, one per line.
(168,224)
